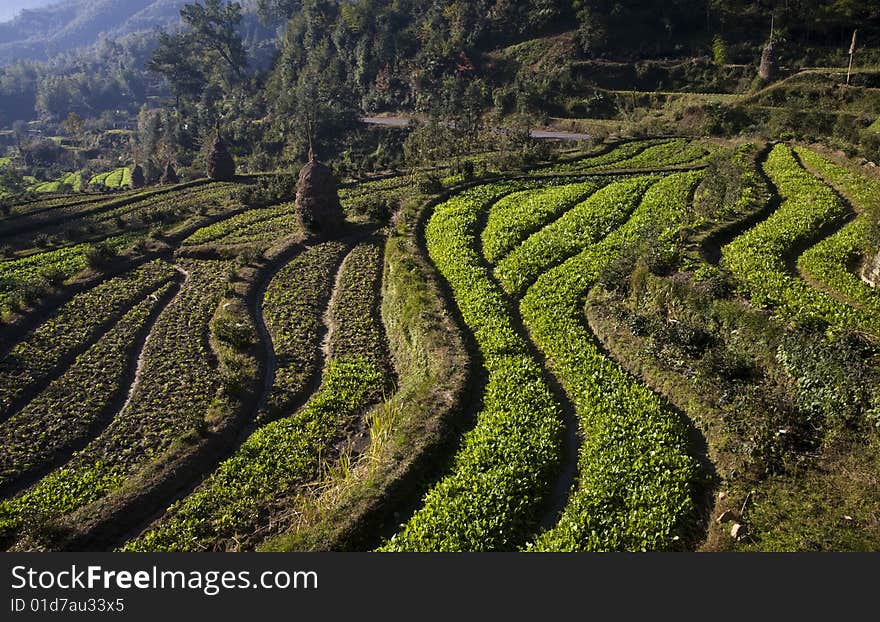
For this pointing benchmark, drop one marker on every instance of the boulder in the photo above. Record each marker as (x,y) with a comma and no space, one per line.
(871,271)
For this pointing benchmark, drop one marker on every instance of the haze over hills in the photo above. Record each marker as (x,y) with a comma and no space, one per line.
(11,8)
(43,31)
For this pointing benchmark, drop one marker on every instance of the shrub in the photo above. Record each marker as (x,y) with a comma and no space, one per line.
(233,331)
(719,50)
(99,255)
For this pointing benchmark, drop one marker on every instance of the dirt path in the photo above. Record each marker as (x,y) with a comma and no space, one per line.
(327,316)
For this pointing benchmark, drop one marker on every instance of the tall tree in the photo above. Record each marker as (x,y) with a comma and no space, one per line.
(173,60)
(213,26)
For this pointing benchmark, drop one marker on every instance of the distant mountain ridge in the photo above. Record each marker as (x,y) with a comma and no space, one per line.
(43,32)
(11,8)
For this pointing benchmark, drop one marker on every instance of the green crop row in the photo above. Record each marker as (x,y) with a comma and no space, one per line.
(587,222)
(241,495)
(264,233)
(292,308)
(172,400)
(376,199)
(829,261)
(515,216)
(163,207)
(505,467)
(28,208)
(620,153)
(366,188)
(757,259)
(78,321)
(238,227)
(117,178)
(22,279)
(132,212)
(673,153)
(237,498)
(65,411)
(67,207)
(71,180)
(634,471)
(356,327)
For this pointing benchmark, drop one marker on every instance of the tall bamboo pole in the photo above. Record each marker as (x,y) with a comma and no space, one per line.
(852,52)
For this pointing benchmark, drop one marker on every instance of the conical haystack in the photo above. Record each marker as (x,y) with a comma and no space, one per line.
(768,62)
(219,165)
(317,198)
(169,175)
(137,177)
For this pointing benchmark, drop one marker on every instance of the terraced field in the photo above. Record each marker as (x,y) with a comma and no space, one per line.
(578,358)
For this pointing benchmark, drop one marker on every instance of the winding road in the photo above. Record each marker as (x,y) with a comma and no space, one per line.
(396,121)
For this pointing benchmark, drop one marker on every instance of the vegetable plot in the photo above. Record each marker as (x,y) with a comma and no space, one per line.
(292,308)
(512,218)
(757,259)
(830,260)
(492,498)
(254,485)
(634,471)
(74,325)
(63,415)
(582,225)
(172,400)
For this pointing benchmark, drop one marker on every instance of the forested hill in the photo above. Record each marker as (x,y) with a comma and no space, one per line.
(11,8)
(67,25)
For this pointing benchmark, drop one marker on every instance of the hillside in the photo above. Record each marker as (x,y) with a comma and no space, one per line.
(11,8)
(488,275)
(68,25)
(655,345)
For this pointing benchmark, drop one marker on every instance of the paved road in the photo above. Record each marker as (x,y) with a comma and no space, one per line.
(539,134)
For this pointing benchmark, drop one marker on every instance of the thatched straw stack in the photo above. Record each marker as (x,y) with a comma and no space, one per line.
(169,175)
(768,62)
(219,165)
(137,177)
(317,199)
